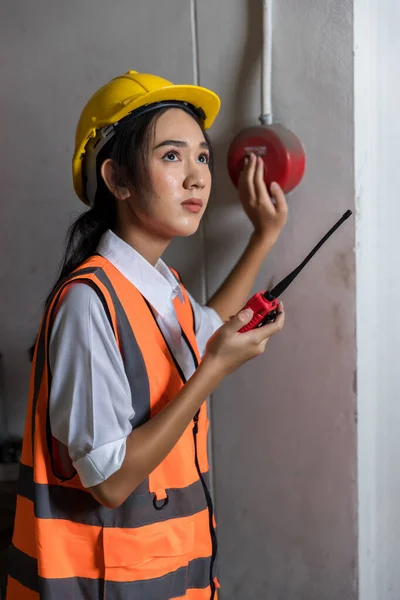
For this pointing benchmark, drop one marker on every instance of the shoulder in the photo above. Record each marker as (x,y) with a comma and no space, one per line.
(78,297)
(80,308)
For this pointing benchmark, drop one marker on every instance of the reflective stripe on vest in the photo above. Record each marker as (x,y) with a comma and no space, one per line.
(160,543)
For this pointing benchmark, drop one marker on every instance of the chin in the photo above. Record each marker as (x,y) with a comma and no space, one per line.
(186,229)
(190,231)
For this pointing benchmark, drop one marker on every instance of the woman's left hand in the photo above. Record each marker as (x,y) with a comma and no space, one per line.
(268,216)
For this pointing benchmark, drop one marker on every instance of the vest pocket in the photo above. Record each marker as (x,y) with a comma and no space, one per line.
(154,549)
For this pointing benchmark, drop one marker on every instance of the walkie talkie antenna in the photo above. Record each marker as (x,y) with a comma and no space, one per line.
(282,285)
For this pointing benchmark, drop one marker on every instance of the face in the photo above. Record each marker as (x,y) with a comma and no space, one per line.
(179,170)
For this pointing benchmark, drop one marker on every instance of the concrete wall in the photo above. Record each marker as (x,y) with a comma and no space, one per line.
(284,432)
(55,56)
(285,425)
(377,125)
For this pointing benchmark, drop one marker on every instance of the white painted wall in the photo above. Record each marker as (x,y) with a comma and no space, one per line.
(377,127)
(55,55)
(285,425)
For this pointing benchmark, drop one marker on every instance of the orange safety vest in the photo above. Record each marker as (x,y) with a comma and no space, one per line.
(160,544)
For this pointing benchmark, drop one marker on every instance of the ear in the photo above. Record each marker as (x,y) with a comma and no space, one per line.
(110,177)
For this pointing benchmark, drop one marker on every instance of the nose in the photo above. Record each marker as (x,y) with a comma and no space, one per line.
(195,177)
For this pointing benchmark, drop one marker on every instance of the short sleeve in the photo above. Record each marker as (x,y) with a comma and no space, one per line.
(206,322)
(90,400)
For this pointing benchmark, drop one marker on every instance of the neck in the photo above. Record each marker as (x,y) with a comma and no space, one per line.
(144,242)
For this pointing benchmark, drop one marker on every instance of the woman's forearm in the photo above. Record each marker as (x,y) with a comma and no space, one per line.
(150,443)
(235,290)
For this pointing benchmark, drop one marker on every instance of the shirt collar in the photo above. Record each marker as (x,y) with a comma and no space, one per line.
(157,284)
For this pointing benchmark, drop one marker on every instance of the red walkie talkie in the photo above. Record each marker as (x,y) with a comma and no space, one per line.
(265,304)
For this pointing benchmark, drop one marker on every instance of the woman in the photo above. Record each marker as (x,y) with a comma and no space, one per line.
(113,499)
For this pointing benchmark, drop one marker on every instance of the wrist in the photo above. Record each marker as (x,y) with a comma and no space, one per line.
(262,240)
(213,369)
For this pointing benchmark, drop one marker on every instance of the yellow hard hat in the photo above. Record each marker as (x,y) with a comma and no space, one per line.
(124,94)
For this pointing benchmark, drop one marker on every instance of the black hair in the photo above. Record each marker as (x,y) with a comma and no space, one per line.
(128,149)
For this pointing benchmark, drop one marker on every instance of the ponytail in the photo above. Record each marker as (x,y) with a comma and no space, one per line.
(84,236)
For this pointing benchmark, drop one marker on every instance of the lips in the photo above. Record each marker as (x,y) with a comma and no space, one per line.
(193,205)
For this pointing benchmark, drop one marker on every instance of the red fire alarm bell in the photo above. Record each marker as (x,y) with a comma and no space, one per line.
(280,148)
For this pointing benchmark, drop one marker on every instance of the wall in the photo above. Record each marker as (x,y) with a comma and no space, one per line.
(377,125)
(56,55)
(285,425)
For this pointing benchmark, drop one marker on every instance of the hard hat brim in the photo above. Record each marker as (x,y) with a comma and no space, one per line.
(198,96)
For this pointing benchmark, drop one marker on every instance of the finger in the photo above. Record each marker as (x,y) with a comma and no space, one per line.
(250,175)
(279,197)
(266,331)
(245,166)
(240,320)
(260,187)
(263,345)
(243,185)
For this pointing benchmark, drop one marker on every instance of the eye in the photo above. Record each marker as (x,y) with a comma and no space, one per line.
(171,156)
(204,158)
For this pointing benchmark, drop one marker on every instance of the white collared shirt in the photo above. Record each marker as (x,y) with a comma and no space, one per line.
(90,399)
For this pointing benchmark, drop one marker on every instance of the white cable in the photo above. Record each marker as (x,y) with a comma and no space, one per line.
(195,44)
(266,64)
(203,261)
(196,81)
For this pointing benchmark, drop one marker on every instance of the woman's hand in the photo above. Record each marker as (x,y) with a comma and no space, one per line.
(268,216)
(229,349)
